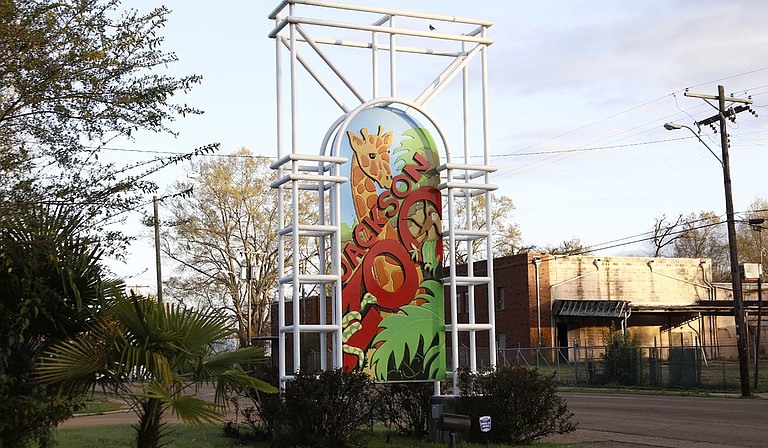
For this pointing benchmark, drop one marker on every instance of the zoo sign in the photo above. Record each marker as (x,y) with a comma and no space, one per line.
(392,291)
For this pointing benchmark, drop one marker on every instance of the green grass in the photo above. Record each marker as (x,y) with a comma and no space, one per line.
(211,436)
(101,402)
(123,436)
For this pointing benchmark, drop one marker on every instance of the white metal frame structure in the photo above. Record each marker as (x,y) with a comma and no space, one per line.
(319,172)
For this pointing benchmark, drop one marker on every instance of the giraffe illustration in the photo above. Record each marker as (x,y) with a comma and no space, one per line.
(369,166)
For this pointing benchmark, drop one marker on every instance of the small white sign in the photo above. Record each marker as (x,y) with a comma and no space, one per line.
(485,423)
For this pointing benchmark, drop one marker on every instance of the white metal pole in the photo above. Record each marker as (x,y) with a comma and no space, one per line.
(280,214)
(392,61)
(468,218)
(375,63)
(295,202)
(488,204)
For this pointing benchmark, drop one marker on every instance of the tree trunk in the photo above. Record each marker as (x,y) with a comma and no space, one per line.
(148,431)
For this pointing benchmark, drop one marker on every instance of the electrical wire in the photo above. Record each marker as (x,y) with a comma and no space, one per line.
(174,153)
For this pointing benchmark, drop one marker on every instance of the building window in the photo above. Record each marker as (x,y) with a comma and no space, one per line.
(502,345)
(464,303)
(500,297)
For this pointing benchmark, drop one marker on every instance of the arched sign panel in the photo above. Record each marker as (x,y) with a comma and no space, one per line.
(392,294)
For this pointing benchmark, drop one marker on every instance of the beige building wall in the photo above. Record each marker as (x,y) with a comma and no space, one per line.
(643,281)
(640,280)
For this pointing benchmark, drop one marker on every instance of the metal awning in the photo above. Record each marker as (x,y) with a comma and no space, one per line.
(590,308)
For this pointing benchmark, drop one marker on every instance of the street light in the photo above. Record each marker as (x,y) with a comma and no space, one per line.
(675,126)
(738,307)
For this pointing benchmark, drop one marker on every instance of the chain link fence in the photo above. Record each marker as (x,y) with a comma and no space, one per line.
(677,367)
(662,367)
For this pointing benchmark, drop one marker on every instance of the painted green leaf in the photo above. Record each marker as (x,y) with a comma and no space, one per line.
(405,331)
(420,142)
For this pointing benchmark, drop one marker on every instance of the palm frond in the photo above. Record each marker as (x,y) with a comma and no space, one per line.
(196,410)
(233,379)
(225,360)
(77,361)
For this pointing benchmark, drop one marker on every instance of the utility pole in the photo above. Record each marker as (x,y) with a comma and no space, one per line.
(738,307)
(155,205)
(756,227)
(157,252)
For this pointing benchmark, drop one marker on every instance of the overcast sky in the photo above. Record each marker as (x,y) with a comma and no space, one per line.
(579,92)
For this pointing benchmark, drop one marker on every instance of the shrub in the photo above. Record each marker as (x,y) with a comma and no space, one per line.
(522,403)
(406,406)
(259,411)
(623,358)
(330,409)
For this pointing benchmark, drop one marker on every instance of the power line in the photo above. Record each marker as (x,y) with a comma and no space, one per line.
(591,124)
(174,153)
(729,77)
(594,148)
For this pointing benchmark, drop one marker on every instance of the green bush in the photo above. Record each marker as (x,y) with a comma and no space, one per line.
(623,358)
(259,411)
(406,406)
(330,409)
(522,403)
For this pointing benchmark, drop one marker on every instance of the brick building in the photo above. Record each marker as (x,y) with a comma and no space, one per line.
(543,300)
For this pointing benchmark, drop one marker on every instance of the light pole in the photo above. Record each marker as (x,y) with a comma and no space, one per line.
(246,274)
(738,309)
(755,223)
(158,263)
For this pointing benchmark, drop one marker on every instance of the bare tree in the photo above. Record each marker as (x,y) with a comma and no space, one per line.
(749,237)
(702,235)
(228,225)
(573,246)
(665,233)
(505,233)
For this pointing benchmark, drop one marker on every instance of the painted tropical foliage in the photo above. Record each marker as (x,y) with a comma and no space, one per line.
(412,341)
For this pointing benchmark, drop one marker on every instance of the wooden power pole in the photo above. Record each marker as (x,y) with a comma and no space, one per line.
(726,111)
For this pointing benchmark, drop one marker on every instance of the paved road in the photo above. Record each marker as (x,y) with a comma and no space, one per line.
(617,420)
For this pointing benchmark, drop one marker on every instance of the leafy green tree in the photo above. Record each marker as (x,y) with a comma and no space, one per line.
(154,356)
(75,69)
(51,286)
(75,74)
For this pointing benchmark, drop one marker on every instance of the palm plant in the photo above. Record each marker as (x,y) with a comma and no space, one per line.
(52,286)
(155,357)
